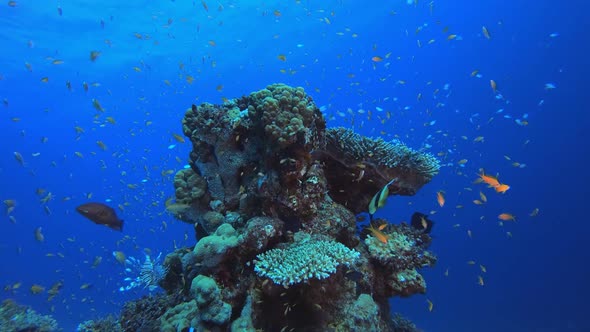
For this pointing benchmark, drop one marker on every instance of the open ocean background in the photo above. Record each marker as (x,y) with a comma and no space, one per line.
(159,57)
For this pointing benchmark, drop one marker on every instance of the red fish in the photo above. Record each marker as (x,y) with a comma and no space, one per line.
(101,214)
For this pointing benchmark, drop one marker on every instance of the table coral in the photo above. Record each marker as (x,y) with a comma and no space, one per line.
(360,166)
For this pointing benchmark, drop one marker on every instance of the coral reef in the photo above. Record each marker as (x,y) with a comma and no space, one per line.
(16,318)
(144,314)
(273,196)
(106,324)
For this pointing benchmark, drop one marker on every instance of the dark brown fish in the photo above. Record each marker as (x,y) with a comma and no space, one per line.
(101,214)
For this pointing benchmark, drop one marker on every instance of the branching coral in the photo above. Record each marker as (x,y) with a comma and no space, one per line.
(304,260)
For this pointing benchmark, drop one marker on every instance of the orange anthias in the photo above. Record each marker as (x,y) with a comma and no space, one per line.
(506,217)
(502,188)
(490,180)
(377,232)
(440,198)
(493,182)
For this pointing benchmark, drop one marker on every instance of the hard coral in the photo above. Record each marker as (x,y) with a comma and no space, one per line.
(212,308)
(288,116)
(143,314)
(213,249)
(303,260)
(395,263)
(188,186)
(14,317)
(178,318)
(360,166)
(107,324)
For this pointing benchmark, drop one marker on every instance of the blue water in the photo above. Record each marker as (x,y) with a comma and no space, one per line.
(535,281)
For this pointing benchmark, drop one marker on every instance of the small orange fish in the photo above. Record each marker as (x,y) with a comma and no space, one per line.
(502,188)
(282,57)
(506,217)
(377,59)
(440,198)
(490,180)
(377,232)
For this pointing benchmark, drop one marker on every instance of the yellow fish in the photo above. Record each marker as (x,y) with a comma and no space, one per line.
(97,105)
(119,256)
(36,289)
(178,138)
